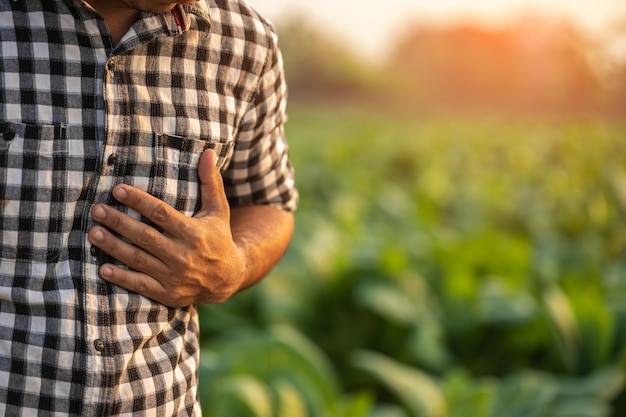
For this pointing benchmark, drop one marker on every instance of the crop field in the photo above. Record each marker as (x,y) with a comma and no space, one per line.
(441,267)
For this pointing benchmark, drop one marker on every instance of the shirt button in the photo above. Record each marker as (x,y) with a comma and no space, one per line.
(99,345)
(111,65)
(8,134)
(93,251)
(112,159)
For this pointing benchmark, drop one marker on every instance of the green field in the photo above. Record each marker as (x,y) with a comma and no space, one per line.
(441,267)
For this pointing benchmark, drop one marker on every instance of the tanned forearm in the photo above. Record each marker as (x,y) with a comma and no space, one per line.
(263,234)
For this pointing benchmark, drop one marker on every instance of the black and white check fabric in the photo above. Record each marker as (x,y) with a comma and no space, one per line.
(79,115)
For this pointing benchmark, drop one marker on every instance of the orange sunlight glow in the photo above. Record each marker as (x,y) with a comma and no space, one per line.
(370,27)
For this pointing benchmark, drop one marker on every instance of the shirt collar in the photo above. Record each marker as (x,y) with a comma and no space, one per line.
(179,20)
(174,22)
(199,9)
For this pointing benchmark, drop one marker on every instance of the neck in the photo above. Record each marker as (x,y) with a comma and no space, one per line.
(118,16)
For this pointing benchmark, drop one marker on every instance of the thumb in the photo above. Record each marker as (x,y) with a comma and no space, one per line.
(211,187)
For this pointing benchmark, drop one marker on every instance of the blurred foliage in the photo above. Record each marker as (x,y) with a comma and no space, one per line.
(532,65)
(319,67)
(440,268)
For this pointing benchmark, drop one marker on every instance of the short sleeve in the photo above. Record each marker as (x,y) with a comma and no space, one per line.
(260,171)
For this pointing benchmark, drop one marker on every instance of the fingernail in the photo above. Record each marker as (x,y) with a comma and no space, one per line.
(99,212)
(120,193)
(106,271)
(98,236)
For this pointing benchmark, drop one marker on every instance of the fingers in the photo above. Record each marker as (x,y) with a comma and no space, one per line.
(138,282)
(146,255)
(137,232)
(212,196)
(135,257)
(213,200)
(152,256)
(160,213)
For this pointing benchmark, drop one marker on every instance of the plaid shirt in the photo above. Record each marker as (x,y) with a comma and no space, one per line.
(79,115)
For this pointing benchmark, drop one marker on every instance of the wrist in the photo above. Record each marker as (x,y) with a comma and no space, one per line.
(242,275)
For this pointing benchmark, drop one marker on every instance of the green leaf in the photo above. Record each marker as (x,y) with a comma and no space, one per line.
(501,305)
(244,394)
(304,357)
(389,301)
(525,394)
(467,396)
(606,383)
(563,321)
(388,410)
(597,322)
(580,407)
(278,356)
(428,345)
(290,401)
(415,389)
(359,405)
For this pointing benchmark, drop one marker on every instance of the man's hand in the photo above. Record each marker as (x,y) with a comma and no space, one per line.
(202,259)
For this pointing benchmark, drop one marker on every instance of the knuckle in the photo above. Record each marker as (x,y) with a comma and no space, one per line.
(139,260)
(160,214)
(142,287)
(184,230)
(181,260)
(114,220)
(175,298)
(173,294)
(146,237)
(186,258)
(123,279)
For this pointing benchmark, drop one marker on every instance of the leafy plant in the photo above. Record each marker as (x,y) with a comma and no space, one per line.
(449,268)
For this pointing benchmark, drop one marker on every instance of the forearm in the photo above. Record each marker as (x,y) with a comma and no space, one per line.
(263,234)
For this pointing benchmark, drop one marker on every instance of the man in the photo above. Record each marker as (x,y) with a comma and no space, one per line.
(143,169)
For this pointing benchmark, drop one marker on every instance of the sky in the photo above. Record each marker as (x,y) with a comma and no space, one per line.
(370,26)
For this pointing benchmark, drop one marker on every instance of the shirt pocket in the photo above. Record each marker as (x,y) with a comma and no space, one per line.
(34,187)
(175,175)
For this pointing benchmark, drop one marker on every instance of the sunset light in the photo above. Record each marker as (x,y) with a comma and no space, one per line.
(369,27)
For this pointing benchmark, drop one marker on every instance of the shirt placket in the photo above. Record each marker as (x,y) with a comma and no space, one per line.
(100,361)
(104,356)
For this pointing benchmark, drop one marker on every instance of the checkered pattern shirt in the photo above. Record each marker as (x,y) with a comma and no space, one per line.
(79,115)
